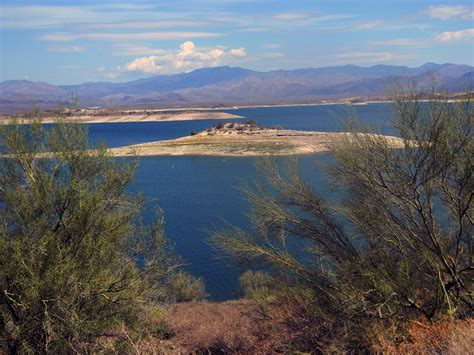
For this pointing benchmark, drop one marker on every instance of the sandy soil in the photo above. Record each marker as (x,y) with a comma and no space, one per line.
(142,117)
(238,139)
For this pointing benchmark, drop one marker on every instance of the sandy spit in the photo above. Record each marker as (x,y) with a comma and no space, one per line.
(153,117)
(242,140)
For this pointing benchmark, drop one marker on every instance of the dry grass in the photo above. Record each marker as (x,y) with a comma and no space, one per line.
(217,328)
(423,337)
(243,327)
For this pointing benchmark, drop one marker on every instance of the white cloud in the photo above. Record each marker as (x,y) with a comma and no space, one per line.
(237,52)
(145,65)
(139,36)
(366,57)
(463,35)
(398,42)
(188,57)
(129,49)
(38,16)
(368,25)
(66,49)
(292,16)
(333,17)
(165,23)
(253,29)
(450,12)
(308,16)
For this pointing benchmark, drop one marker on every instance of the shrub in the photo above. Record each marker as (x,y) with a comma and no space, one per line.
(220,125)
(185,288)
(256,284)
(75,258)
(398,245)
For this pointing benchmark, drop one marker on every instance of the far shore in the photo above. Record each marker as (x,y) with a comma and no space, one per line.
(184,113)
(136,116)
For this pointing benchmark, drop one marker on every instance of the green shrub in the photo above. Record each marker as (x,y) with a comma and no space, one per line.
(75,260)
(185,288)
(256,284)
(398,245)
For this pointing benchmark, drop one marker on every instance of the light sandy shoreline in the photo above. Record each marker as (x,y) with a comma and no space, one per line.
(241,140)
(140,116)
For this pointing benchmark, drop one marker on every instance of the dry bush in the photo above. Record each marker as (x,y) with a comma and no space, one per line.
(245,326)
(228,327)
(424,337)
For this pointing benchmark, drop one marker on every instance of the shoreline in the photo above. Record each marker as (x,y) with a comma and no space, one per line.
(136,117)
(120,115)
(242,140)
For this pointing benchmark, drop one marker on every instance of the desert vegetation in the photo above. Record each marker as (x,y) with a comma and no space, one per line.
(395,249)
(77,263)
(386,267)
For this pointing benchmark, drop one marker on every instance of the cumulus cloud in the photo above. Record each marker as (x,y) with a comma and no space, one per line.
(188,57)
(145,65)
(237,52)
(455,36)
(450,12)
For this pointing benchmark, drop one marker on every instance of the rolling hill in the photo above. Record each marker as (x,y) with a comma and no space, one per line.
(235,86)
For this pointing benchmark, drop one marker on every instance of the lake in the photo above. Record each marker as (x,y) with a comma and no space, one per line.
(200,194)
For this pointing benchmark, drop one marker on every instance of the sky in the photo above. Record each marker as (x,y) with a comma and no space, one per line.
(70,41)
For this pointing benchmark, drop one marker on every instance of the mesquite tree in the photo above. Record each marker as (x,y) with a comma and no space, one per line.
(75,260)
(399,242)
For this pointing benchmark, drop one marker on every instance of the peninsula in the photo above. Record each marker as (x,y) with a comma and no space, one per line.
(115,116)
(241,139)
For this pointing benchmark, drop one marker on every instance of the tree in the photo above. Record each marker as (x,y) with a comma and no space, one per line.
(399,243)
(75,259)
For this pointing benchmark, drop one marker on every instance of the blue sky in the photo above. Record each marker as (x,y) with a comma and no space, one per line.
(65,42)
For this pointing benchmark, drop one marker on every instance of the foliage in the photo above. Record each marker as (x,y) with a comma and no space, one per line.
(399,243)
(256,284)
(185,288)
(75,259)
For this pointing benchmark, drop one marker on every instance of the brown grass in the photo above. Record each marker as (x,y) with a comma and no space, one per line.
(227,327)
(423,337)
(247,327)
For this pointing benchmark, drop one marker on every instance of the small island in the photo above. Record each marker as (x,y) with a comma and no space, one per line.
(241,139)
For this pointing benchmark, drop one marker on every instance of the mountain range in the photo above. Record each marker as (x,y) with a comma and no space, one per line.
(236,86)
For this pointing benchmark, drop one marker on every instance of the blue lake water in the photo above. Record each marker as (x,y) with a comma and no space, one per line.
(326,118)
(200,194)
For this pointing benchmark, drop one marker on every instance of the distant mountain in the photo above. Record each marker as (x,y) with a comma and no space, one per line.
(233,86)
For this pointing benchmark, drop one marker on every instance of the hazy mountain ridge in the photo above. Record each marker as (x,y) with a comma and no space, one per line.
(227,85)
